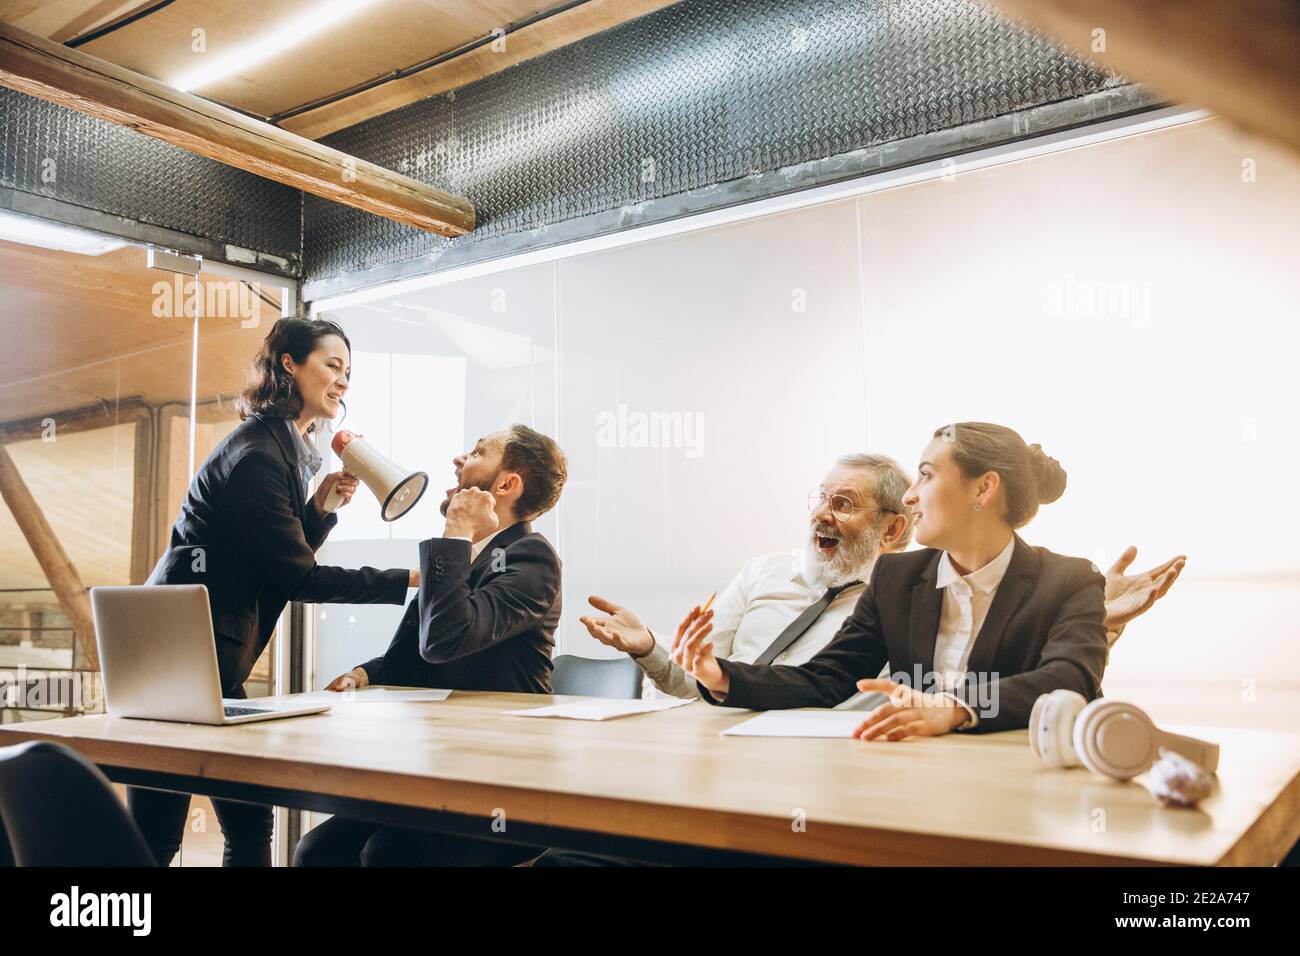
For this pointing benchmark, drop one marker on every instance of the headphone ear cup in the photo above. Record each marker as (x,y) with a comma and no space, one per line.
(1115,739)
(1050,724)
(1036,718)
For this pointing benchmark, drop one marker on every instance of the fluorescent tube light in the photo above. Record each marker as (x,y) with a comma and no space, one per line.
(293,32)
(54,235)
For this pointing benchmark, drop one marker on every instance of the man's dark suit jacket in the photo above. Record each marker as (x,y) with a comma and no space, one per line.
(1045,629)
(246,532)
(488,624)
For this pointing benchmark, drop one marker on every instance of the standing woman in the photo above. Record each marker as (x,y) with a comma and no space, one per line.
(248,531)
(975,627)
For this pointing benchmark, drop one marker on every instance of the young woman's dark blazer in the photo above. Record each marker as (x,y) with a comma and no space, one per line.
(246,532)
(1045,629)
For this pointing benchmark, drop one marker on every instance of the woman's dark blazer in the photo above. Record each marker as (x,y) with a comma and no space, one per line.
(1045,629)
(246,532)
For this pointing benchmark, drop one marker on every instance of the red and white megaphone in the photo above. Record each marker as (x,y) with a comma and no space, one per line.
(397,489)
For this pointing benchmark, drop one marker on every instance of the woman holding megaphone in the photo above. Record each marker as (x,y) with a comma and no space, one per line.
(249,531)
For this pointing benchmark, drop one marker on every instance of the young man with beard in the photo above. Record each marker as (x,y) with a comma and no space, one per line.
(484,619)
(783,608)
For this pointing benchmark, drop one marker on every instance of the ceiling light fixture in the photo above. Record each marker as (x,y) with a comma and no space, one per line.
(54,235)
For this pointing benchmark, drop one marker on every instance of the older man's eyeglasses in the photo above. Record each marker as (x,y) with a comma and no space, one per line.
(842,506)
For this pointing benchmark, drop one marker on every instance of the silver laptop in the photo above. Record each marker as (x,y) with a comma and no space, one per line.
(159,657)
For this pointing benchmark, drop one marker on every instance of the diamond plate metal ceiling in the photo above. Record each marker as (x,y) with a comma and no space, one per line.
(640,123)
(52,152)
(703,92)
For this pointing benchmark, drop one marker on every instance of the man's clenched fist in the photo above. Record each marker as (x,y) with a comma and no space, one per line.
(471,514)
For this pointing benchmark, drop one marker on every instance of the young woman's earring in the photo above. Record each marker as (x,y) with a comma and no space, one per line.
(978,506)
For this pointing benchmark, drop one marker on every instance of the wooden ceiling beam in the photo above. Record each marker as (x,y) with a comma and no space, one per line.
(41,68)
(58,568)
(73,420)
(1239,59)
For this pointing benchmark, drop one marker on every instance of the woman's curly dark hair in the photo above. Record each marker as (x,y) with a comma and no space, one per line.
(270,389)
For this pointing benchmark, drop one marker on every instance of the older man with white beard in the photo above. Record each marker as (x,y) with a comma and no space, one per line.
(783,608)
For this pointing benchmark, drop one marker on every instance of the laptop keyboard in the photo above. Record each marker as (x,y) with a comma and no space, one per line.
(245,711)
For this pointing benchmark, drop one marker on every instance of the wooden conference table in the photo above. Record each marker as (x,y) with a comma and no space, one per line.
(666,787)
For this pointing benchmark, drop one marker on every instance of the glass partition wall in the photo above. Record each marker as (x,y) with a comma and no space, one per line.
(104,416)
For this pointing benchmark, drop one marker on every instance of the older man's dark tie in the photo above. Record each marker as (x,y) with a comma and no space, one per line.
(794,630)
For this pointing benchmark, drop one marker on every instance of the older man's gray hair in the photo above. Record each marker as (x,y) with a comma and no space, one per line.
(890,484)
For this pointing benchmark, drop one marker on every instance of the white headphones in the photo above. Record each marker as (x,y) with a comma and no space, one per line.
(1108,737)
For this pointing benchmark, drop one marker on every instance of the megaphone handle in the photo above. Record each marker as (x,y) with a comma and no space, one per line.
(332,500)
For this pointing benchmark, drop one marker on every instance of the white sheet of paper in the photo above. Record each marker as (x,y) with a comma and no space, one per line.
(370,695)
(799,723)
(599,708)
(365,695)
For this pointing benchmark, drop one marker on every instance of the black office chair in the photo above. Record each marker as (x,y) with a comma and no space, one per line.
(587,677)
(57,809)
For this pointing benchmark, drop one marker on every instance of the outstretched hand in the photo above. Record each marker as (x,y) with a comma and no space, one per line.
(618,628)
(1130,596)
